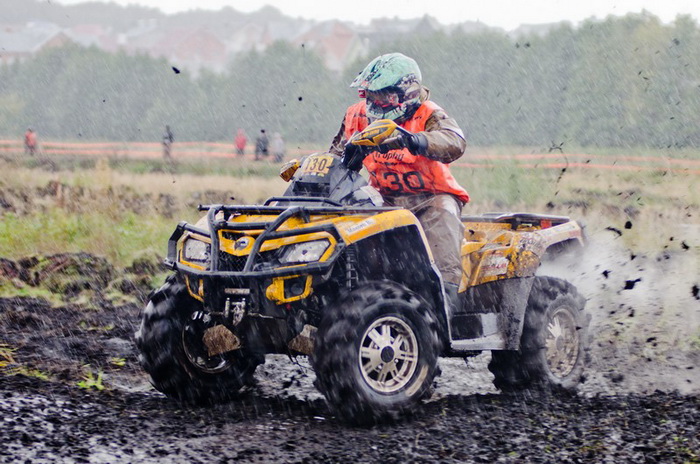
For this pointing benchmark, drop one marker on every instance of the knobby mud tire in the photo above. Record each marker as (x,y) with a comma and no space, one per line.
(163,357)
(528,367)
(349,387)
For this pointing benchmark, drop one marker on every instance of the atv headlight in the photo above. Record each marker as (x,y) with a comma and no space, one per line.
(305,252)
(195,251)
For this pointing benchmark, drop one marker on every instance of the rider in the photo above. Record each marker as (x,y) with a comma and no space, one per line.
(412,172)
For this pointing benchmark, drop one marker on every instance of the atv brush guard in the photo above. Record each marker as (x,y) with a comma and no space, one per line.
(269,232)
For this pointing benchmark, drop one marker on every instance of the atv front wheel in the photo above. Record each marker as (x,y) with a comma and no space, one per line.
(173,353)
(553,344)
(375,353)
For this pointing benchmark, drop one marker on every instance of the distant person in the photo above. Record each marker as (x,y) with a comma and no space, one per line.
(168,139)
(261,145)
(277,147)
(240,142)
(30,142)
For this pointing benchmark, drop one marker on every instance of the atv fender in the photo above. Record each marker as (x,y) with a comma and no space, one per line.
(492,317)
(413,267)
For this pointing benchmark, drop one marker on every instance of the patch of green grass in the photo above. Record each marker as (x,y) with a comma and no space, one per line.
(118,299)
(91,380)
(8,290)
(117,362)
(6,355)
(10,366)
(91,328)
(695,342)
(119,237)
(27,372)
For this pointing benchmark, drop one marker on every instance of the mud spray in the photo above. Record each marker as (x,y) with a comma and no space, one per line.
(645,310)
(645,326)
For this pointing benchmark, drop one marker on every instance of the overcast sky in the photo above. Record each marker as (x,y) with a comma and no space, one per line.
(507,14)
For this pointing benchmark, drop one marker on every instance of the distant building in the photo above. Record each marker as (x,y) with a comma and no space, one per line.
(335,42)
(89,35)
(250,37)
(21,42)
(192,49)
(201,39)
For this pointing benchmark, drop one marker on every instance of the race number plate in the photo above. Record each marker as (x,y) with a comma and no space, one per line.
(317,165)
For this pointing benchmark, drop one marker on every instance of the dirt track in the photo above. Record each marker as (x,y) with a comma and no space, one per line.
(63,424)
(640,402)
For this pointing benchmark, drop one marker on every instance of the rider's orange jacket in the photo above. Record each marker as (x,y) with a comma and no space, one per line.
(400,171)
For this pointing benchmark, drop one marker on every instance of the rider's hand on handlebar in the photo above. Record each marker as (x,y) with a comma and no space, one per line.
(416,143)
(353,157)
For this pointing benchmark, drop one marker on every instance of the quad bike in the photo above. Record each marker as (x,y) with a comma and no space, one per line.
(326,271)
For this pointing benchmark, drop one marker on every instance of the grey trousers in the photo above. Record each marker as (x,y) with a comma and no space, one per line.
(440,217)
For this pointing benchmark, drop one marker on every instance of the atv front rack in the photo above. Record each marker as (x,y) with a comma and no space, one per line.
(269,232)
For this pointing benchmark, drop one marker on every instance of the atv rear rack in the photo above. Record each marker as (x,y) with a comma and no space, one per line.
(518,219)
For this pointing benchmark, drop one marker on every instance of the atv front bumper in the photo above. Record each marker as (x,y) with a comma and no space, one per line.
(280,283)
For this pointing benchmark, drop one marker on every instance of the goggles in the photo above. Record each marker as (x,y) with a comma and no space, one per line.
(384,99)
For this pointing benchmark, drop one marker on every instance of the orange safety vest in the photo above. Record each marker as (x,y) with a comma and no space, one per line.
(400,171)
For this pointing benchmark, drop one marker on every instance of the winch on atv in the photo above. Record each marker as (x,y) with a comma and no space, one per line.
(326,271)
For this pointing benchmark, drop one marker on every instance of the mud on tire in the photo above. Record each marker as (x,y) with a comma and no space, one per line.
(554,343)
(163,356)
(376,353)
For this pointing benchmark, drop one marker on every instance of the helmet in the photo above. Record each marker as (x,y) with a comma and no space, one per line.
(391,84)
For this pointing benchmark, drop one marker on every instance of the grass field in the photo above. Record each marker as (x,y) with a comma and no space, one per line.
(122,207)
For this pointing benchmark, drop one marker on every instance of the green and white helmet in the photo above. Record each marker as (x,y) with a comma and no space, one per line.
(391,85)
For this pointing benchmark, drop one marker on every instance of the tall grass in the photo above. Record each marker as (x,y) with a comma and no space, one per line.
(115,213)
(506,188)
(122,208)
(234,167)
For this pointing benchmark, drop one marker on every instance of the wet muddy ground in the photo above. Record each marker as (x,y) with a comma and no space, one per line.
(283,419)
(71,390)
(44,423)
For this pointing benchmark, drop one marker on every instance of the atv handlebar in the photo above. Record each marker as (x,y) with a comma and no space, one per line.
(375,137)
(377,133)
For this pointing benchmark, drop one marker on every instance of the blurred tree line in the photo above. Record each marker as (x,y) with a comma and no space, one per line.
(625,81)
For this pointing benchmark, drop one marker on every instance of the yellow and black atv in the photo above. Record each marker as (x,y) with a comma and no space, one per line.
(326,271)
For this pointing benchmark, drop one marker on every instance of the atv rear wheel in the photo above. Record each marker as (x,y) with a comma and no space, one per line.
(173,353)
(554,342)
(376,353)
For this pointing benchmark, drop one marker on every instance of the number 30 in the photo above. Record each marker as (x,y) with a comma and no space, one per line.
(411,180)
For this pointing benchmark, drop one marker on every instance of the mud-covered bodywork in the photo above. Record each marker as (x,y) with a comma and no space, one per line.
(505,245)
(277,267)
(501,253)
